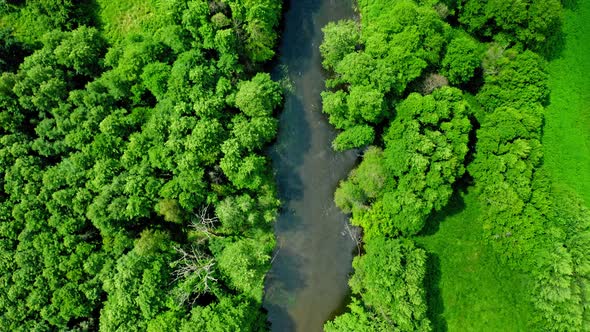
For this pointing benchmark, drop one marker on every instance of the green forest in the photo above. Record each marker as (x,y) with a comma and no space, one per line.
(473,218)
(137,194)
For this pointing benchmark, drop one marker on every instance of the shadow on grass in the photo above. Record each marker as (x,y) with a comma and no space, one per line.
(433,294)
(456,205)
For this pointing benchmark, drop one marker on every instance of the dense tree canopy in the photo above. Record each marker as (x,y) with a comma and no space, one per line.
(388,279)
(372,67)
(393,192)
(134,192)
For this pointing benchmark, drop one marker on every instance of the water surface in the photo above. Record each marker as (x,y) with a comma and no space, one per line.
(307,283)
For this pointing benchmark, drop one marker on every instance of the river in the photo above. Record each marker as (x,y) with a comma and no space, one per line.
(307,283)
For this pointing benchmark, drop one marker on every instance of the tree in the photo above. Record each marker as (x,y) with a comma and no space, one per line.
(80,50)
(388,278)
(259,96)
(514,79)
(238,213)
(425,147)
(340,38)
(354,137)
(365,183)
(244,263)
(529,21)
(461,59)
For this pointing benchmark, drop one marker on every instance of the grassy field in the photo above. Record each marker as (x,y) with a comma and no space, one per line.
(469,289)
(566,138)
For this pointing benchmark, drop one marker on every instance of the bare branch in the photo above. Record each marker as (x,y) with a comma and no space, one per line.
(194,263)
(204,223)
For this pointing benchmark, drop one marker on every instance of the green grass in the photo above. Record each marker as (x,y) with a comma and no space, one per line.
(566,138)
(119,18)
(468,288)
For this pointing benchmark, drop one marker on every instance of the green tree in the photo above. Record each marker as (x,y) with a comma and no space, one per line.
(259,96)
(340,38)
(354,137)
(388,278)
(462,58)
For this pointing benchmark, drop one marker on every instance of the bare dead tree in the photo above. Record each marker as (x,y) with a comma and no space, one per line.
(442,10)
(203,222)
(355,235)
(193,264)
(433,82)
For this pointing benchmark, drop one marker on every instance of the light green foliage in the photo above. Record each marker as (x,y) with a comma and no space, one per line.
(365,183)
(508,153)
(400,42)
(388,279)
(562,270)
(229,314)
(137,288)
(353,137)
(462,58)
(238,213)
(259,96)
(108,159)
(340,39)
(334,104)
(357,319)
(254,133)
(367,103)
(79,51)
(155,76)
(32,19)
(258,19)
(531,240)
(513,79)
(425,147)
(244,263)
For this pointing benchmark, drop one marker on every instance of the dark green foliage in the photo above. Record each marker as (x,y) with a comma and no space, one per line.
(12,51)
(528,21)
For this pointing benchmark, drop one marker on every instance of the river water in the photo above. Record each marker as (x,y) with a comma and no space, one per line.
(307,283)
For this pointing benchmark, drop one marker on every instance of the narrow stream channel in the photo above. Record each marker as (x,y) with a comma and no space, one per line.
(307,283)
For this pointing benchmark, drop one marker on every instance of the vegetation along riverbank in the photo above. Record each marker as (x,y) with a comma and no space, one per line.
(470,223)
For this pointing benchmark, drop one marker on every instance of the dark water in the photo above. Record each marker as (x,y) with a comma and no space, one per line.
(307,283)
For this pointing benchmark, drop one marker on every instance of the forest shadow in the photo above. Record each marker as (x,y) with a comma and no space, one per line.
(570,4)
(455,206)
(555,44)
(434,298)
